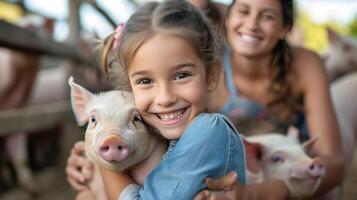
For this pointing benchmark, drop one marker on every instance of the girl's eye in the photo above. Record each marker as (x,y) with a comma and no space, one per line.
(144,81)
(181,75)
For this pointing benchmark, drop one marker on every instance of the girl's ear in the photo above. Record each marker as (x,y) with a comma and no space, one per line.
(213,76)
(80,98)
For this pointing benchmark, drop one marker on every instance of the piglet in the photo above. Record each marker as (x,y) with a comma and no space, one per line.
(276,156)
(340,57)
(116,137)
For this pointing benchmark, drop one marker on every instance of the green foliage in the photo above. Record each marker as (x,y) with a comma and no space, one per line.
(314,34)
(353,27)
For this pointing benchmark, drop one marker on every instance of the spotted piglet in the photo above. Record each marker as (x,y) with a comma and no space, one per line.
(116,137)
(276,156)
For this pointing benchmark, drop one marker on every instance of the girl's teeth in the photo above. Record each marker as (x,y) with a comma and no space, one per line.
(170,116)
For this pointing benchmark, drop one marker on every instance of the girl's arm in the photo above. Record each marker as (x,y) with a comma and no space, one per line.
(114,182)
(195,156)
(320,116)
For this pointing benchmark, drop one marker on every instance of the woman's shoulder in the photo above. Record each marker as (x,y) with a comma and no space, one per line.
(302,57)
(308,68)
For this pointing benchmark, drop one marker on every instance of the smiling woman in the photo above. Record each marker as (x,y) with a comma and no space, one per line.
(268,82)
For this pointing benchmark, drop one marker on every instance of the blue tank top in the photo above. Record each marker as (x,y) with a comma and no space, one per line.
(239,106)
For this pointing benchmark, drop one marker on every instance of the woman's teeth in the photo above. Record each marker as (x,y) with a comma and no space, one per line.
(249,38)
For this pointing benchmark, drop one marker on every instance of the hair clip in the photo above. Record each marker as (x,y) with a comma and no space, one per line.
(118,32)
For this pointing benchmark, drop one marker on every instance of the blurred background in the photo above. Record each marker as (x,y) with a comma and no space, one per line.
(42,43)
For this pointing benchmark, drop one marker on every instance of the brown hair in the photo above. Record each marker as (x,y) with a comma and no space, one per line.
(175,17)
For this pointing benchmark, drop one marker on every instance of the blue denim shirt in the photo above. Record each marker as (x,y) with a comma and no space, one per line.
(209,147)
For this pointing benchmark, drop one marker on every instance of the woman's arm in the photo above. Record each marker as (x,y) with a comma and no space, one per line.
(232,190)
(320,116)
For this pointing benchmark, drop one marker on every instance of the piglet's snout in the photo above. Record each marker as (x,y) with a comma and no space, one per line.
(113,149)
(316,168)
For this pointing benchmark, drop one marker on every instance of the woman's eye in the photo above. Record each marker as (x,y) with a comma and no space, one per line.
(144,81)
(181,75)
(243,12)
(268,17)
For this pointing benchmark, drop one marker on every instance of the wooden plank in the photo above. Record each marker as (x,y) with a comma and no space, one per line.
(34,118)
(15,37)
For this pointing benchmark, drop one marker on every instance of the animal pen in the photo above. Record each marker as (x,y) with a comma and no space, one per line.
(51,119)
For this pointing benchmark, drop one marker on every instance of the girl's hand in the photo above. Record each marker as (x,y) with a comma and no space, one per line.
(227,187)
(79,169)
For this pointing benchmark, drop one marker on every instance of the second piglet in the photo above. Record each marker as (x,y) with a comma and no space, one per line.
(116,137)
(278,156)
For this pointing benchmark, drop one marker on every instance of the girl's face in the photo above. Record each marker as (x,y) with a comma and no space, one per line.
(255,26)
(169,84)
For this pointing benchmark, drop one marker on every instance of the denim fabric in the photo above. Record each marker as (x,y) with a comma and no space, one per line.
(210,147)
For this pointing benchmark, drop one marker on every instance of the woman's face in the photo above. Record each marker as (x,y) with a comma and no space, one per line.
(169,84)
(255,26)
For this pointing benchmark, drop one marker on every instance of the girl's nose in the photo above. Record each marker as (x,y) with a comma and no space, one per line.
(166,96)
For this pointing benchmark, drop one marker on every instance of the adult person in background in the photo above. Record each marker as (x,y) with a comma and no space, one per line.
(215,11)
(268,81)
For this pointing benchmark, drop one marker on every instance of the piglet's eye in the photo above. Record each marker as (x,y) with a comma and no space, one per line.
(277,159)
(92,119)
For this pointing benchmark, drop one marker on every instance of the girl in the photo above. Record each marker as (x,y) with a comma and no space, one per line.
(166,55)
(270,82)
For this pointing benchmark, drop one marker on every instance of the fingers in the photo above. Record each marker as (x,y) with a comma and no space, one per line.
(203,195)
(76,186)
(78,148)
(226,182)
(79,169)
(213,195)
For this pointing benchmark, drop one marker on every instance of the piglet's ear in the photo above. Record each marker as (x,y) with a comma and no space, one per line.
(254,153)
(332,36)
(80,97)
(308,146)
(293,133)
